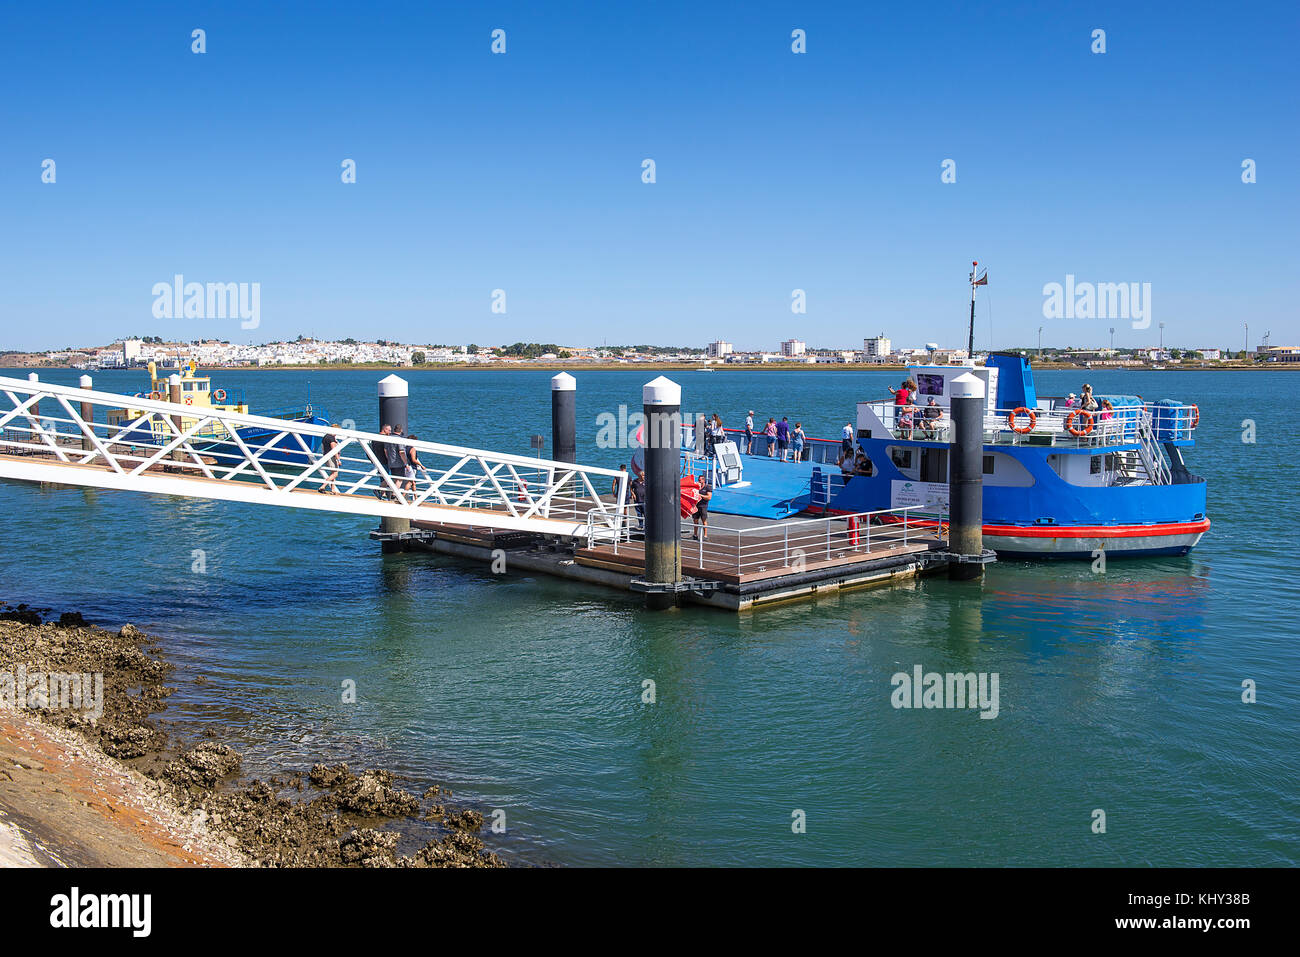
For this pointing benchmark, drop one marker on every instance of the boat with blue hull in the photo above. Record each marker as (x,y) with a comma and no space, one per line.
(1059,481)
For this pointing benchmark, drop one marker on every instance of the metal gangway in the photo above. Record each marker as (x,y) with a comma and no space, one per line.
(63,435)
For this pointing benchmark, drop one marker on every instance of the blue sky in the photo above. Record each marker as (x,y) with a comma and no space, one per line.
(775,171)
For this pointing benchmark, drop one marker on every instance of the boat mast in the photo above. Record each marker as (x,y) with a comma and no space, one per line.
(970,341)
(974,281)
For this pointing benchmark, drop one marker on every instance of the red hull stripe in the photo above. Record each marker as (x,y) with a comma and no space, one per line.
(1096,531)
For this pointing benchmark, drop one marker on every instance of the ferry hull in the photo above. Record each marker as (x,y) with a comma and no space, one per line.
(1083,542)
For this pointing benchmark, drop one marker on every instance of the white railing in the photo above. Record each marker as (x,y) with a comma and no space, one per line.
(794,544)
(60,434)
(1050,425)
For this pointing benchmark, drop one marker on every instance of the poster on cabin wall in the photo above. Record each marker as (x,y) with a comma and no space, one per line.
(929,495)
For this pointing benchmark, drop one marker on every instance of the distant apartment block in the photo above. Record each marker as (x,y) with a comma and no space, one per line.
(877,348)
(719,349)
(792,348)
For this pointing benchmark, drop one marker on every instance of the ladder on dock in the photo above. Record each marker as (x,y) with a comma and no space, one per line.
(60,434)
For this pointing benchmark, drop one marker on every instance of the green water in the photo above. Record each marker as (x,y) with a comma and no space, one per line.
(1119,691)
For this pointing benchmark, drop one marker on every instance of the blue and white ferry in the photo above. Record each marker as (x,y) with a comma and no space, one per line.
(1059,482)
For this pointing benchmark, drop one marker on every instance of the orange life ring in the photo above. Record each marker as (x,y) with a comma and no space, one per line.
(156,396)
(219,395)
(1069,422)
(1196,416)
(189,400)
(522,495)
(1011,420)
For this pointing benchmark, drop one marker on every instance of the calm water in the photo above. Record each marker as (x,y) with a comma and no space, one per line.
(1119,691)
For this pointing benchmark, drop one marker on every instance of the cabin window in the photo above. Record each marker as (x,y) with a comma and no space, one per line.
(1094,467)
(902,458)
(988,465)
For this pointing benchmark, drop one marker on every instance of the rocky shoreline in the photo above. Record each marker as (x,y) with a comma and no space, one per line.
(325,816)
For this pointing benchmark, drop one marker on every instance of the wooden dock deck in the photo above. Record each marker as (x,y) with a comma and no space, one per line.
(741,571)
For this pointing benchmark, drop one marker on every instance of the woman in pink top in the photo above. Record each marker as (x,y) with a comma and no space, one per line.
(770,432)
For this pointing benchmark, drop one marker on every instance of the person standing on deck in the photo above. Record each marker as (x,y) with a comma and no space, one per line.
(796,441)
(719,433)
(701,516)
(846,441)
(904,394)
(770,432)
(749,433)
(783,437)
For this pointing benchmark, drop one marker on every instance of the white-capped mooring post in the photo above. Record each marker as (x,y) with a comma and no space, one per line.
(564,418)
(662,405)
(966,479)
(393,399)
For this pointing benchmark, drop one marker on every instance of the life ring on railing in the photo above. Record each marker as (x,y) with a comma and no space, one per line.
(1069,422)
(189,400)
(1196,415)
(156,396)
(522,494)
(219,395)
(1011,420)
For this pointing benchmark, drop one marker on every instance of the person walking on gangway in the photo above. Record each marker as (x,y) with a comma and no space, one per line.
(413,464)
(385,454)
(328,445)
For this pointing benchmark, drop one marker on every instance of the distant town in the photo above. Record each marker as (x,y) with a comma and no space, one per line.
(132,352)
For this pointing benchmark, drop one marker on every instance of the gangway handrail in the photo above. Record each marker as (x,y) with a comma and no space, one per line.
(161,446)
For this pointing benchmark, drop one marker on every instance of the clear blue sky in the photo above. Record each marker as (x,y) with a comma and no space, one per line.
(775,171)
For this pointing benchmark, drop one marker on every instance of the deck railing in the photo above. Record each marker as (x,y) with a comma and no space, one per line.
(794,544)
(1051,426)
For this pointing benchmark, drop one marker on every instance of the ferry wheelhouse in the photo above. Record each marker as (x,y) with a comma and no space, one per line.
(1059,482)
(197,395)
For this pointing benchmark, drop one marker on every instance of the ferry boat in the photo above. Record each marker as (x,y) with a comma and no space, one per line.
(214,439)
(1059,482)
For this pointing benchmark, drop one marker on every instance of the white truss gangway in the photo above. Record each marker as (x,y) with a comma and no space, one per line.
(63,435)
